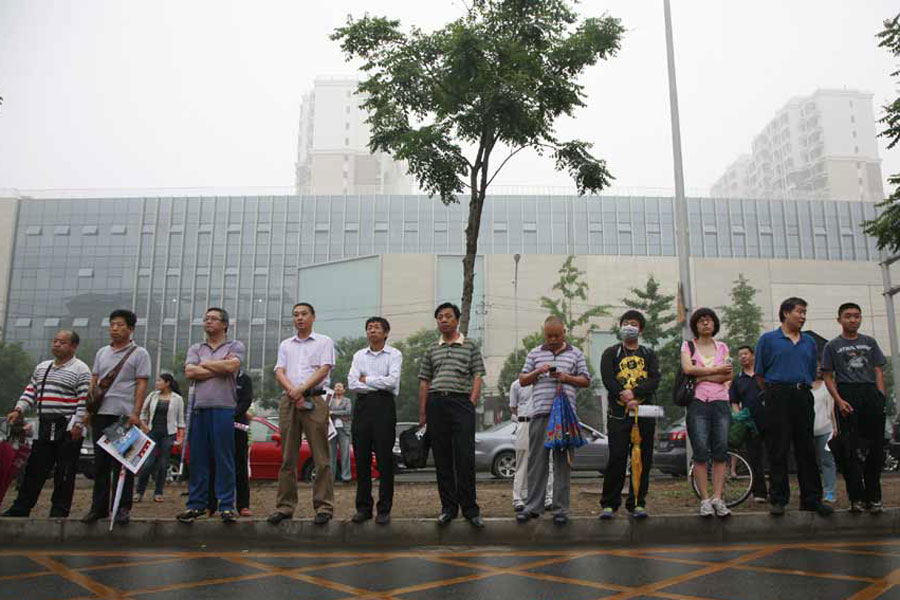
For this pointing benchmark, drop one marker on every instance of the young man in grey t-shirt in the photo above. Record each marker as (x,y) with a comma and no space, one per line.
(853,365)
(125,398)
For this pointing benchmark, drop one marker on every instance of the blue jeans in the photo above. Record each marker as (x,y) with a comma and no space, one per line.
(157,464)
(211,438)
(707,427)
(341,441)
(826,465)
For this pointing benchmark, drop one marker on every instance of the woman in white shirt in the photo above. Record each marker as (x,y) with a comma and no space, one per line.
(823,428)
(163,414)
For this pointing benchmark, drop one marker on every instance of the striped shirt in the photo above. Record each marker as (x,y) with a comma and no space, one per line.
(452,367)
(569,360)
(381,370)
(64,393)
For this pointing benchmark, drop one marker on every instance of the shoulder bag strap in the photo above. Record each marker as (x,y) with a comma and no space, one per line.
(39,399)
(110,377)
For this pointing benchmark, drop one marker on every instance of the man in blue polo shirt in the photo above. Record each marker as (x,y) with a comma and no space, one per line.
(786,364)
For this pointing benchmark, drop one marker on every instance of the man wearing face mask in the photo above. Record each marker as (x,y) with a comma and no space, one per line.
(630,373)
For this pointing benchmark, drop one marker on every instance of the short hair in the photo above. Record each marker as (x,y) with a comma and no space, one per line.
(554,320)
(848,306)
(385,326)
(788,305)
(123,313)
(307,305)
(441,307)
(223,314)
(636,315)
(699,314)
(746,347)
(74,338)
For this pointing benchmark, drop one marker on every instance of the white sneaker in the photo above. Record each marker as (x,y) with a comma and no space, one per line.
(719,506)
(706,508)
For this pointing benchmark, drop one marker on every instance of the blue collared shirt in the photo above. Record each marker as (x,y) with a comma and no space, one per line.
(780,360)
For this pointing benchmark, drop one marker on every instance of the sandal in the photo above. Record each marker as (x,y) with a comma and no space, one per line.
(158,498)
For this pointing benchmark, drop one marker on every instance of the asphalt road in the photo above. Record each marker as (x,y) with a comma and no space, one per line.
(859,569)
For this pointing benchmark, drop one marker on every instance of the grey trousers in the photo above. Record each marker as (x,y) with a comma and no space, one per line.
(539,470)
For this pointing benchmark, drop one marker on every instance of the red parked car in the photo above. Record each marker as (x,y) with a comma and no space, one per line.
(265,454)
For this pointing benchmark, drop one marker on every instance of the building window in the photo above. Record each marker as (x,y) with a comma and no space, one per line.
(80,322)
(89,230)
(117,230)
(23,322)
(85,272)
(61,230)
(856,149)
(33,230)
(852,119)
(51,322)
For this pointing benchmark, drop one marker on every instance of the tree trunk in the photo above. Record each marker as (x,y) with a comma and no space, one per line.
(476,204)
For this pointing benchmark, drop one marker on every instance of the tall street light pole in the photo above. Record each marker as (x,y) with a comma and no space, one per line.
(681,217)
(516,258)
(890,291)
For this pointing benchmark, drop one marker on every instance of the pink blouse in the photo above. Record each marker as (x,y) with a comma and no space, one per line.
(709,391)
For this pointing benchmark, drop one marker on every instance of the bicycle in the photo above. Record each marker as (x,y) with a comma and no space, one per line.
(737,489)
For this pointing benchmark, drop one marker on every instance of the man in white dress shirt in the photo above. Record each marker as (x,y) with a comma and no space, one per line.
(375,377)
(303,371)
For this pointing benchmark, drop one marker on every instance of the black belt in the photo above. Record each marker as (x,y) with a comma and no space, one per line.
(790,386)
(536,417)
(440,394)
(373,395)
(524,419)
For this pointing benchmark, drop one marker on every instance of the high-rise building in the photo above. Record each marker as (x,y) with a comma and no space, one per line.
(333,156)
(820,146)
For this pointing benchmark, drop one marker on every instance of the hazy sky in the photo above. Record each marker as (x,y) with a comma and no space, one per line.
(187,93)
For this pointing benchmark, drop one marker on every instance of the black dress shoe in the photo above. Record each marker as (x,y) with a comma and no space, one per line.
(476,521)
(277,517)
(560,519)
(519,508)
(776,510)
(525,516)
(360,517)
(12,512)
(92,517)
(322,518)
(445,518)
(822,509)
(383,518)
(123,517)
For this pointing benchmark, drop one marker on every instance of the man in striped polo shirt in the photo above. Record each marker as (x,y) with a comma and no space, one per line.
(57,393)
(450,377)
(554,364)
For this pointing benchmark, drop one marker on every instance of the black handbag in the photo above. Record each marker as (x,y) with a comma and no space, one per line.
(414,447)
(683,391)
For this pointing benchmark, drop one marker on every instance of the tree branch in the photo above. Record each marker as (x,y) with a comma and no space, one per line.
(505,160)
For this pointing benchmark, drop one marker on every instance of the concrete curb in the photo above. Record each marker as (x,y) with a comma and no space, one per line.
(581,531)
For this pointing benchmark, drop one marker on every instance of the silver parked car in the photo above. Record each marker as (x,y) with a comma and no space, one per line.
(495,450)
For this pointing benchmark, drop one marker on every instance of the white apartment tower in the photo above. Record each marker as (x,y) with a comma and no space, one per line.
(333,156)
(821,146)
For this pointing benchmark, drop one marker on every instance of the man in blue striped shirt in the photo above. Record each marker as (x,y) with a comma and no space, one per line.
(556,364)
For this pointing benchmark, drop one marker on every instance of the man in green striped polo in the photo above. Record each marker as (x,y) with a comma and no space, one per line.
(450,378)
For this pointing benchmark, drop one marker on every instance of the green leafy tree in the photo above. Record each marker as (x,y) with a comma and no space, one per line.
(742,319)
(512,366)
(16,366)
(661,332)
(574,289)
(495,81)
(886,227)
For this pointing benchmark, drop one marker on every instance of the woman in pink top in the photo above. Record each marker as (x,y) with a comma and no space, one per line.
(709,415)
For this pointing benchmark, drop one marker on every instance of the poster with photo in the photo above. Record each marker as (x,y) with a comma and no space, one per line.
(130,446)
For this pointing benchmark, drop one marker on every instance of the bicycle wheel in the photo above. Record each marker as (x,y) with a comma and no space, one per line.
(737,488)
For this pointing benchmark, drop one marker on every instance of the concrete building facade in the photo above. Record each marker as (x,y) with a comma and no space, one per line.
(818,146)
(333,154)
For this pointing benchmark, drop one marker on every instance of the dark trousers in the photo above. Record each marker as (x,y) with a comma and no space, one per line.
(373,429)
(789,419)
(241,474)
(158,464)
(755,451)
(44,456)
(106,471)
(619,451)
(863,431)
(451,429)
